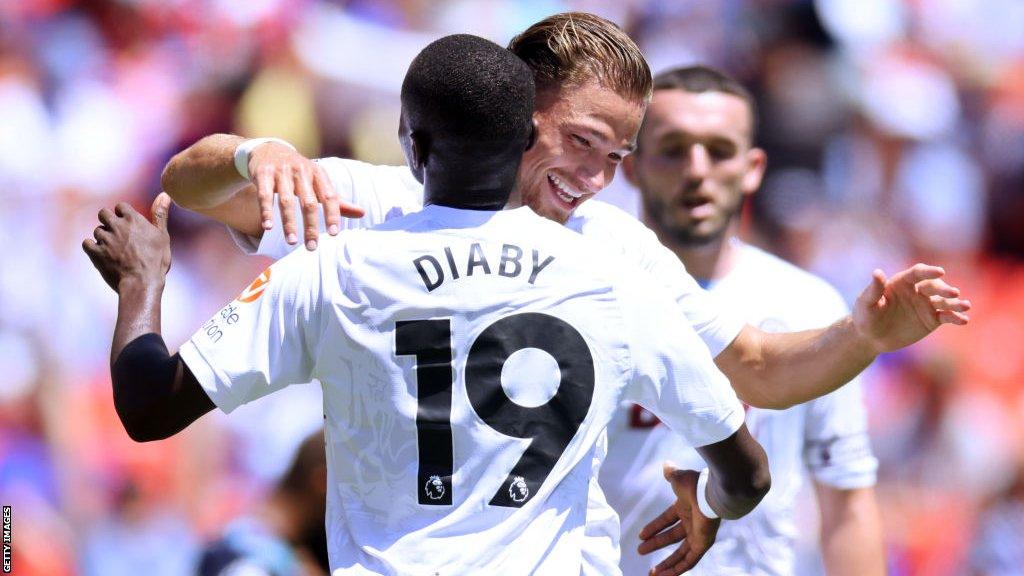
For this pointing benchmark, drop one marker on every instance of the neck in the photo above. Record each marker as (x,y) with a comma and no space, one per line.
(465,193)
(710,261)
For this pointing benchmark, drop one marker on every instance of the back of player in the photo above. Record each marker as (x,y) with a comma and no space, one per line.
(470,357)
(470,360)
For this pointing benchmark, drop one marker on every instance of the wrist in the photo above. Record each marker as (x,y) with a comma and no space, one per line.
(702,495)
(861,337)
(140,284)
(243,153)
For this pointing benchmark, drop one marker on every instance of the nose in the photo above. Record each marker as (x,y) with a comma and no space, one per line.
(594,181)
(595,174)
(699,162)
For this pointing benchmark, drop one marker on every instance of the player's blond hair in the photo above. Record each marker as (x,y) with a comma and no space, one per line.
(571,48)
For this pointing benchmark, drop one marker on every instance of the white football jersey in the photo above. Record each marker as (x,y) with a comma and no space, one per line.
(827,436)
(389,191)
(470,362)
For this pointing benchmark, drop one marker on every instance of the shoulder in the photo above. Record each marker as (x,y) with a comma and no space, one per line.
(350,167)
(807,298)
(595,215)
(361,178)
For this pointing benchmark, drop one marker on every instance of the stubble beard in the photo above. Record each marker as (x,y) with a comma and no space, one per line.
(683,235)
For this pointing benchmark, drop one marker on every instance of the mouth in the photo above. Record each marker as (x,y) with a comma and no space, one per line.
(561,190)
(698,207)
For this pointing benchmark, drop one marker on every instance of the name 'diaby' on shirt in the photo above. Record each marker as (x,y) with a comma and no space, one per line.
(435,269)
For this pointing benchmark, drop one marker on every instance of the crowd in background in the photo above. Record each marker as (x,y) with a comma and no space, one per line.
(894,131)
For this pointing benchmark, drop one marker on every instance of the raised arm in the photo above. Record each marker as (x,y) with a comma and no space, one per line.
(203,178)
(779,370)
(155,394)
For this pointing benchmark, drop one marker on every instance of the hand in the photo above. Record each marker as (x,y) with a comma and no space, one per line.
(126,246)
(897,312)
(295,178)
(682,521)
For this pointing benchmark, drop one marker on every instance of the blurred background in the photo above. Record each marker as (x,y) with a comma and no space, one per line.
(894,131)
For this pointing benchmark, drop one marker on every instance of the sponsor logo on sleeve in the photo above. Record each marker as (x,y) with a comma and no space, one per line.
(253,291)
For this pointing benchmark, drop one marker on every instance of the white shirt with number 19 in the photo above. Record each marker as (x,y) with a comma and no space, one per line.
(470,361)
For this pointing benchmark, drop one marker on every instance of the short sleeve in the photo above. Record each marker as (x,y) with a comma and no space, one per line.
(384,192)
(674,376)
(714,322)
(261,341)
(837,447)
(619,232)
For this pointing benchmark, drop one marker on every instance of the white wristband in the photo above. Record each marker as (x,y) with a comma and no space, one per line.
(702,497)
(244,150)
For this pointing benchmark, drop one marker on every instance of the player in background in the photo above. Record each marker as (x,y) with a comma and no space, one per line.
(470,357)
(284,535)
(694,166)
(593,85)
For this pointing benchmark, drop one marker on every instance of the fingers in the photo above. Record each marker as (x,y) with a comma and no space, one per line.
(159,210)
(95,253)
(919,272)
(102,234)
(265,189)
(285,188)
(350,210)
(662,539)
(106,217)
(310,208)
(937,287)
(875,290)
(90,247)
(265,197)
(678,562)
(329,198)
(664,520)
(954,304)
(952,317)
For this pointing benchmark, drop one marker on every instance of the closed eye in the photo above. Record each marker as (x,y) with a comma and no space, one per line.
(581,141)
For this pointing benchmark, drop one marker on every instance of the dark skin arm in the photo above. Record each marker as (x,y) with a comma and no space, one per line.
(155,393)
(739,480)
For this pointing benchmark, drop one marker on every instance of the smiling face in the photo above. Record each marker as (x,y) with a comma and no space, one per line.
(583,134)
(695,164)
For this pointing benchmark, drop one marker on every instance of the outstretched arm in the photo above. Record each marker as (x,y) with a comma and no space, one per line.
(203,178)
(779,370)
(738,480)
(155,394)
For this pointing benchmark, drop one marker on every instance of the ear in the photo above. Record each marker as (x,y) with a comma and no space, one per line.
(419,149)
(757,162)
(533,135)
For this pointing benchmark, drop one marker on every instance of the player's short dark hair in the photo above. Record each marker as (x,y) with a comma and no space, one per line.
(468,89)
(699,79)
(571,48)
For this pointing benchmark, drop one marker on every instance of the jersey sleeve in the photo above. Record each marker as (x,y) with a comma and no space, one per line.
(674,376)
(715,323)
(837,448)
(261,341)
(384,192)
